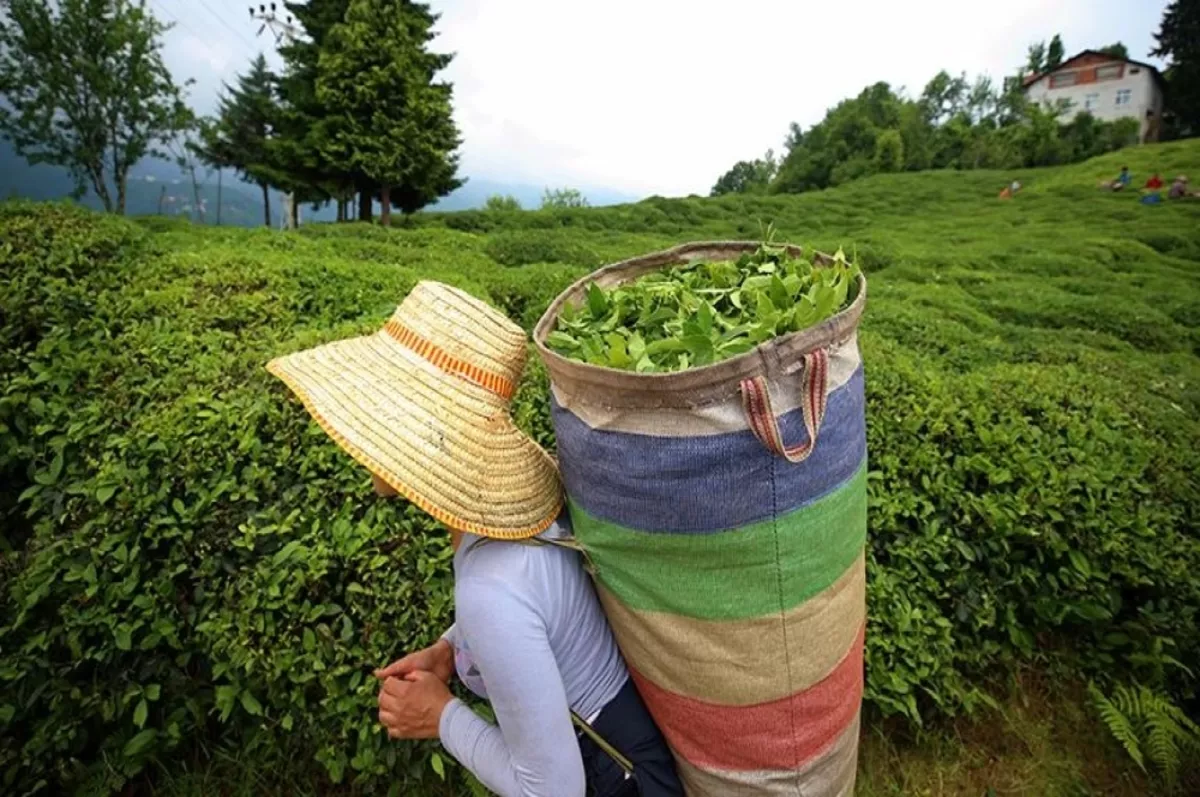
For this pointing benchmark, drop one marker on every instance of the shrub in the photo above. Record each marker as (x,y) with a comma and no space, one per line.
(502,204)
(520,247)
(189,565)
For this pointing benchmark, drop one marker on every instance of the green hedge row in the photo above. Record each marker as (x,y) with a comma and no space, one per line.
(189,563)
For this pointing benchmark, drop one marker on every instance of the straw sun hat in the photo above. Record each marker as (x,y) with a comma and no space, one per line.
(424,405)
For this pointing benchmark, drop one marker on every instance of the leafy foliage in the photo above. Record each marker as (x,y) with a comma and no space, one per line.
(953,124)
(176,533)
(239,137)
(85,87)
(1178,39)
(385,116)
(699,313)
(502,204)
(563,198)
(1150,727)
(748,176)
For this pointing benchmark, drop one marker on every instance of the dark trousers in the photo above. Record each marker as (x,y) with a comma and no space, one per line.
(626,725)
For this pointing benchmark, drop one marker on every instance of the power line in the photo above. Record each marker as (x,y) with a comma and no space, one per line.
(177,21)
(228,27)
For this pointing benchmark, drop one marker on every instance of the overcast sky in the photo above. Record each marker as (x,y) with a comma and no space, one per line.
(662,96)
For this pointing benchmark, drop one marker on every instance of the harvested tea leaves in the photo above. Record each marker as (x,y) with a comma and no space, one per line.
(700,313)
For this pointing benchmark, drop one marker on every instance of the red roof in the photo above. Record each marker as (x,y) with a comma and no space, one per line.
(1095,55)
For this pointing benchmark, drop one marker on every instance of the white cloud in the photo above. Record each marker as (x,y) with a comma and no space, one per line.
(662,96)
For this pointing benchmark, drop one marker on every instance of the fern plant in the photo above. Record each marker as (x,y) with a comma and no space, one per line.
(1150,727)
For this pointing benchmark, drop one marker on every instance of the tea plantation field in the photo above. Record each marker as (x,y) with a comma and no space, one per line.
(192,578)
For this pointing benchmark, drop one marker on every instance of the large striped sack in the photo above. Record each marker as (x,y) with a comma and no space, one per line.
(723,510)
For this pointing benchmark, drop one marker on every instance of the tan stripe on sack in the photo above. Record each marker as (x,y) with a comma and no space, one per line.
(832,774)
(716,418)
(742,662)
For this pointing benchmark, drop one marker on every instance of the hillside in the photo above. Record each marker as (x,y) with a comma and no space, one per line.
(186,551)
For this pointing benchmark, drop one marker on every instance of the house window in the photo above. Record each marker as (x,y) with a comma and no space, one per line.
(1124,96)
(1090,102)
(1135,70)
(1060,79)
(1110,72)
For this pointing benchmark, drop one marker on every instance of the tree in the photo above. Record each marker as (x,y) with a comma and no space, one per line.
(563,198)
(1178,39)
(944,96)
(298,147)
(1035,60)
(502,204)
(240,136)
(87,89)
(889,152)
(1117,50)
(387,118)
(1055,52)
(748,176)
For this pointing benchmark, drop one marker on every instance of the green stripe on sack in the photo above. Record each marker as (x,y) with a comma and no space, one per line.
(731,575)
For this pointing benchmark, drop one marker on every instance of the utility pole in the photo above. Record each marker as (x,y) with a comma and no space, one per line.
(285,31)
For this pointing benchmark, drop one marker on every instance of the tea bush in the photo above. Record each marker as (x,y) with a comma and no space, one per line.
(190,565)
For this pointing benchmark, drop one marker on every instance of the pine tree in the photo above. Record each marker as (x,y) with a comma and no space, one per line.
(1055,52)
(299,150)
(1179,40)
(385,115)
(240,135)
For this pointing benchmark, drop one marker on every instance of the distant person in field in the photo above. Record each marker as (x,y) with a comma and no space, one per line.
(1180,190)
(1122,180)
(1152,192)
(423,404)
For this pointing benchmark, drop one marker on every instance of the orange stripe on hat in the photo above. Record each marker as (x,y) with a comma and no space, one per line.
(440,358)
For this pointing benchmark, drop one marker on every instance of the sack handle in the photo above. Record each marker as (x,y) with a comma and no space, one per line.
(756,401)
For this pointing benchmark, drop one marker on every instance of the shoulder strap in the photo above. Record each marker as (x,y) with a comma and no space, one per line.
(569,543)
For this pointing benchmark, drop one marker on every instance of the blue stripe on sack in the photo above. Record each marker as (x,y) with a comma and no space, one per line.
(707,483)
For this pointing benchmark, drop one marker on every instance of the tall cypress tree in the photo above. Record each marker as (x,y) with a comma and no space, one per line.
(386,116)
(299,149)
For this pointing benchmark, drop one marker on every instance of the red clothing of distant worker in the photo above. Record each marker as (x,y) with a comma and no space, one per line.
(1154,183)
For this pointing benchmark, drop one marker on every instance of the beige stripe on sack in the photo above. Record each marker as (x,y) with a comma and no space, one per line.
(716,418)
(743,662)
(831,774)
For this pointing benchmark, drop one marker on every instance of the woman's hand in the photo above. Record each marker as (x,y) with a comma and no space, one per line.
(411,708)
(438,659)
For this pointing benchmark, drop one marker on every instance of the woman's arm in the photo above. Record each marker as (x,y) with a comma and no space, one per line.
(533,752)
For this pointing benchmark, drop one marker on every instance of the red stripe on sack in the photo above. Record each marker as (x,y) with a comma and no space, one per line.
(780,735)
(443,360)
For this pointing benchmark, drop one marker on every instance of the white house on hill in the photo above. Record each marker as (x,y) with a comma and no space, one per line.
(1105,86)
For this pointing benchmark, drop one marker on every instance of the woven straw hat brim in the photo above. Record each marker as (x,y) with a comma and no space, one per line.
(441,441)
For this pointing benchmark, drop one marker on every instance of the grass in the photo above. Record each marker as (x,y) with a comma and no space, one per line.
(1040,739)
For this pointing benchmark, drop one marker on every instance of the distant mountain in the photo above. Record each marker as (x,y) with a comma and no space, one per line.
(159,187)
